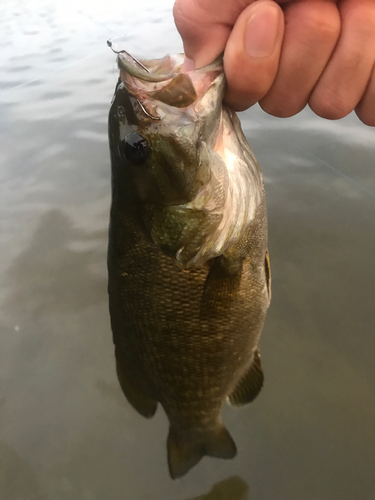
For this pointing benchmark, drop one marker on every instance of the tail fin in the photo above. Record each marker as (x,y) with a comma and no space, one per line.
(185,450)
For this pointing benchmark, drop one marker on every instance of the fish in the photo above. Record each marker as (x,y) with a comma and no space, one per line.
(188,266)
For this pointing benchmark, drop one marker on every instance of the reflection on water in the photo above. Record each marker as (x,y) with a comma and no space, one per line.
(51,274)
(17,479)
(233,488)
(66,431)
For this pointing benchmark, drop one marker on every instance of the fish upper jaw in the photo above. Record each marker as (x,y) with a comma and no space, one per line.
(169,83)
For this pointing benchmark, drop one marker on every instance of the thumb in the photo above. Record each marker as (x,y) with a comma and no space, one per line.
(252,53)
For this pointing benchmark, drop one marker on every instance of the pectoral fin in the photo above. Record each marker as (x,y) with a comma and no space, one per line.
(250,384)
(179,231)
(221,286)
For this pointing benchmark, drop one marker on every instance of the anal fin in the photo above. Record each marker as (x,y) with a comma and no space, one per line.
(250,384)
(132,385)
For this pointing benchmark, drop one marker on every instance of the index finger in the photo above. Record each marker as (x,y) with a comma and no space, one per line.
(205,25)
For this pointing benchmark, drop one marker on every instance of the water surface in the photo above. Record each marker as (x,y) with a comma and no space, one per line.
(66,431)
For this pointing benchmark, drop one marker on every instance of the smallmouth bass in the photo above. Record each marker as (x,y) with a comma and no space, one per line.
(189,273)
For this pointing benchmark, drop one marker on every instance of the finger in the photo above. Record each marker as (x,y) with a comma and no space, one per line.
(252,53)
(205,26)
(312,29)
(204,36)
(366,107)
(344,80)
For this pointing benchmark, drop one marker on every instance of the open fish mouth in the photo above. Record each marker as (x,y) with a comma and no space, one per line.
(155,70)
(165,79)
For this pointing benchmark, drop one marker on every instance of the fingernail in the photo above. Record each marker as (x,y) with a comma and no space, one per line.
(262,31)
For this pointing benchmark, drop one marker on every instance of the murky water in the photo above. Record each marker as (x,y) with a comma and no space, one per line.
(66,431)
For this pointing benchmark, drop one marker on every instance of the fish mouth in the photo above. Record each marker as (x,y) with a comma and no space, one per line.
(154,71)
(168,80)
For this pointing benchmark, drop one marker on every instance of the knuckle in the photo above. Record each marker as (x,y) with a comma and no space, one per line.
(329,104)
(362,21)
(240,97)
(312,22)
(280,108)
(178,12)
(242,86)
(366,117)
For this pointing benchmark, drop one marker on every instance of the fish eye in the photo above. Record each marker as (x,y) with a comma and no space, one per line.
(136,148)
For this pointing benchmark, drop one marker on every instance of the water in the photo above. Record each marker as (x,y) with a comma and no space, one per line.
(66,431)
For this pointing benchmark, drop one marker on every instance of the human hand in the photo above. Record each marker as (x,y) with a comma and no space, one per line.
(285,54)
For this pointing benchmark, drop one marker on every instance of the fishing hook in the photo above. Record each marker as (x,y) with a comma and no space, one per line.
(109,43)
(146,112)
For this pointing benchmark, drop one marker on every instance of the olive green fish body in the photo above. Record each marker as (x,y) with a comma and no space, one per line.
(189,278)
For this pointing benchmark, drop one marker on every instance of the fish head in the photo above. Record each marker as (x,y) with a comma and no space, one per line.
(162,120)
